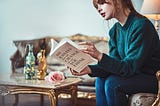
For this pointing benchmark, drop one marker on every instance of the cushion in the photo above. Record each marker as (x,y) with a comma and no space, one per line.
(22,45)
(38,44)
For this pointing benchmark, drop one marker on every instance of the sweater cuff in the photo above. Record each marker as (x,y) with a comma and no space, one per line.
(93,71)
(106,60)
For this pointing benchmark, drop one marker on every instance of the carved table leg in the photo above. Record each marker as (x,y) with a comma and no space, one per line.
(52,97)
(49,93)
(74,95)
(16,100)
(3,93)
(2,101)
(41,99)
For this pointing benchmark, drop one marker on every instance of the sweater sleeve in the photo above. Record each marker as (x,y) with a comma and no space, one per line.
(112,44)
(141,37)
(98,71)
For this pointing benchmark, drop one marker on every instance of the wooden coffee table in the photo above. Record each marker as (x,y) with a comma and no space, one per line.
(16,84)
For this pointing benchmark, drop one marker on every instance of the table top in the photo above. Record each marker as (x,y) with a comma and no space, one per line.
(19,80)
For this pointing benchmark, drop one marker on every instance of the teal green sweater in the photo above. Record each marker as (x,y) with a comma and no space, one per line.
(133,49)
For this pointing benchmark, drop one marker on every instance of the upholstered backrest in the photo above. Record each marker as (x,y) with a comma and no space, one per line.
(22,50)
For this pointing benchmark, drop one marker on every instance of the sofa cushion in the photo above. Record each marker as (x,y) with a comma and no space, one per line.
(22,45)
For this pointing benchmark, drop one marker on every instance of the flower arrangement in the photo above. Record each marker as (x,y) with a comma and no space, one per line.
(54,77)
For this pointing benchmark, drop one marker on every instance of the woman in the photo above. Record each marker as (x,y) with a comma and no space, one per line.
(134,55)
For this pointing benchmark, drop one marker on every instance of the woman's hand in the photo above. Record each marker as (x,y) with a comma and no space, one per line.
(89,48)
(86,70)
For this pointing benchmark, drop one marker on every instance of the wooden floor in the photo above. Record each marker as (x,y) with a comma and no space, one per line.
(34,100)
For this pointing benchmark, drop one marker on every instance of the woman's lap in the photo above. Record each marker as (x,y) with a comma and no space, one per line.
(134,84)
(113,89)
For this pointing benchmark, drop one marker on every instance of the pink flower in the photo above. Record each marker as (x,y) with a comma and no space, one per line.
(54,77)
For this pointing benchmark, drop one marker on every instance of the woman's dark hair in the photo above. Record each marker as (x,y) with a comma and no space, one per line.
(129,4)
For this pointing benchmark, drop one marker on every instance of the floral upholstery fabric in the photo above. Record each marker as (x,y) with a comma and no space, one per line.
(142,99)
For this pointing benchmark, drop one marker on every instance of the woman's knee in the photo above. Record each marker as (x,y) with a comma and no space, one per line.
(114,92)
(111,84)
(100,81)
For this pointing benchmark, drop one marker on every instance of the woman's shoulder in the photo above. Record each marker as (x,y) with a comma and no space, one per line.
(141,22)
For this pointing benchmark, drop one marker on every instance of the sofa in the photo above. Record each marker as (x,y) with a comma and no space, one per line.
(86,88)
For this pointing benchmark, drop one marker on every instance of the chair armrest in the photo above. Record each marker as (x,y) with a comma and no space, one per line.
(157,101)
(158,74)
(158,78)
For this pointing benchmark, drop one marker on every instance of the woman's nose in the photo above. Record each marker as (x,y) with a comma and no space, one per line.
(99,8)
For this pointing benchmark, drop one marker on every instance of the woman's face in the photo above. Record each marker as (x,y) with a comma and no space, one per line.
(105,8)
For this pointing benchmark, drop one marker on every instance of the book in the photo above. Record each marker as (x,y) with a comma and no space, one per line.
(69,53)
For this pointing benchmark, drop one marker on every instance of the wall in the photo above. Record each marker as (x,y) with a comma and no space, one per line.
(28,19)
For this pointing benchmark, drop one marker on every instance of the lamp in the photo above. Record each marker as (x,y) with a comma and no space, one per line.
(151,9)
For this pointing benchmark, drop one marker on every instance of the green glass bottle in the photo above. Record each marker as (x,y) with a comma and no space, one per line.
(29,68)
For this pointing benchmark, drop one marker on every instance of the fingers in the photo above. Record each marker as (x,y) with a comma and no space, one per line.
(74,72)
(90,48)
(86,70)
(87,46)
(85,43)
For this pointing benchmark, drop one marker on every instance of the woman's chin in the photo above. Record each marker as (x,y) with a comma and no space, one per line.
(107,18)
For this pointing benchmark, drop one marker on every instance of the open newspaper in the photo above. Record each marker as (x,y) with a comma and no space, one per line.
(68,52)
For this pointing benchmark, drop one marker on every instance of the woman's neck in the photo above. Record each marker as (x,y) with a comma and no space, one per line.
(122,17)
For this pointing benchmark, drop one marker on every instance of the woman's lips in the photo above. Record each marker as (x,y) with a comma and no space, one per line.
(102,14)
